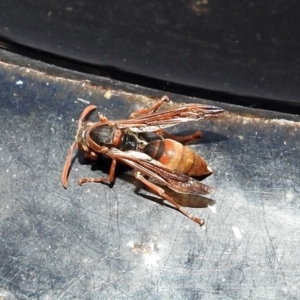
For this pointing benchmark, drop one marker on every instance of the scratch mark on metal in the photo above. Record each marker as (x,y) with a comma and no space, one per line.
(83,101)
(237,232)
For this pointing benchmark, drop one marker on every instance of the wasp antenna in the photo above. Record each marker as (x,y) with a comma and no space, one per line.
(65,172)
(64,177)
(88,110)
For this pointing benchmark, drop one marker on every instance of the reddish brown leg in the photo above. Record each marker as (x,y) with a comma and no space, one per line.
(108,179)
(104,120)
(150,110)
(65,172)
(156,189)
(180,139)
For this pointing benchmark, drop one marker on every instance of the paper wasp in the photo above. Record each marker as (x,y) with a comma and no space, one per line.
(166,162)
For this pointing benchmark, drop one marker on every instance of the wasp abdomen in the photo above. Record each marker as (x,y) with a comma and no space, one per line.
(177,157)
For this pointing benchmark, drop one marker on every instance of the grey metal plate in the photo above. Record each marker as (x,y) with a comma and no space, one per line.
(98,242)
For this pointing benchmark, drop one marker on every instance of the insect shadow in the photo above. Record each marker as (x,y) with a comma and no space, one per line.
(103,163)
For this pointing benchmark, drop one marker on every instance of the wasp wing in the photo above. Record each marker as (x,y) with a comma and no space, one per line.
(163,119)
(143,163)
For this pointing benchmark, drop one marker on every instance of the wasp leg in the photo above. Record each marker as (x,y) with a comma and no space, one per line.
(104,120)
(108,179)
(91,156)
(180,139)
(66,169)
(162,193)
(150,110)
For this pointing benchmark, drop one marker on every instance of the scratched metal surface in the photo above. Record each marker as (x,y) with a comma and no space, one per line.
(97,242)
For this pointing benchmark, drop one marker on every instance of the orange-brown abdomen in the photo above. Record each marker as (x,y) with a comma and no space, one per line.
(177,157)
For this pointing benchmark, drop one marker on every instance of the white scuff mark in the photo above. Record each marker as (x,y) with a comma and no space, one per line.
(148,251)
(289,195)
(151,260)
(130,244)
(83,100)
(237,232)
(212,208)
(19,82)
